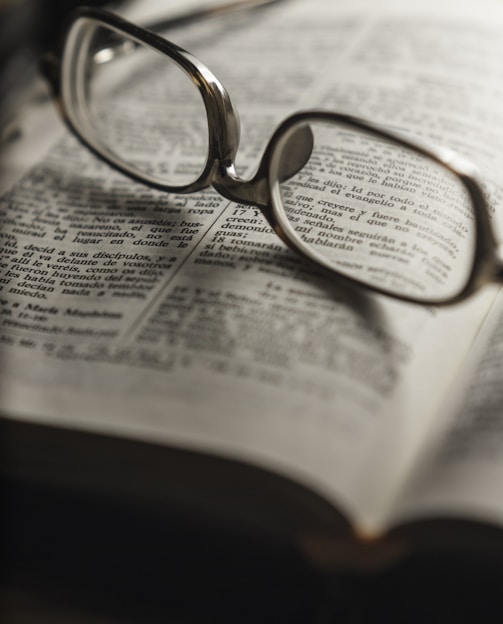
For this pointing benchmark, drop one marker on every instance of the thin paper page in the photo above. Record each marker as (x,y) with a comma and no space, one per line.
(462,465)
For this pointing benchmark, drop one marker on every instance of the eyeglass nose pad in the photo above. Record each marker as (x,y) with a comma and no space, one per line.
(296,152)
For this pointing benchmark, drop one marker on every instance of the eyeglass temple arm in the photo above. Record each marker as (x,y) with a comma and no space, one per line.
(114,50)
(208,12)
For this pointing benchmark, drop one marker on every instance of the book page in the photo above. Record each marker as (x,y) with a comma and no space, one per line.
(184,319)
(462,463)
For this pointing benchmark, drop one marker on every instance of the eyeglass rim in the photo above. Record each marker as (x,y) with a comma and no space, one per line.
(485,261)
(222,118)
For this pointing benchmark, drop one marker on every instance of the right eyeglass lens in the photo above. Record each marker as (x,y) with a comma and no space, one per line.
(134,105)
(375,211)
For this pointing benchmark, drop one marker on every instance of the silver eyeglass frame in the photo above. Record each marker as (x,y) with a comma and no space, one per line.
(262,190)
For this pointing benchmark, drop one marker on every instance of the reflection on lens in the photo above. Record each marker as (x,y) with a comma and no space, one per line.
(378,212)
(138,107)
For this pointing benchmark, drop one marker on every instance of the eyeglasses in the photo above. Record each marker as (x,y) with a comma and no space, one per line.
(365,204)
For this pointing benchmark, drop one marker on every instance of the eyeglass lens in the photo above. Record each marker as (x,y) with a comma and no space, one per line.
(138,106)
(380,213)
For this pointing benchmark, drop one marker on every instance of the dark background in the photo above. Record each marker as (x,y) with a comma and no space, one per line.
(82,560)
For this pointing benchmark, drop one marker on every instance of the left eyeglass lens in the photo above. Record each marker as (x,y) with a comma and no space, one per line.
(134,105)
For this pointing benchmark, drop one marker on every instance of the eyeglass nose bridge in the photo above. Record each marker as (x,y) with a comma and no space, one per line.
(294,156)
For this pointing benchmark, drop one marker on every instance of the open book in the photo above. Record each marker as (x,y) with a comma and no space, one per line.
(177,337)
